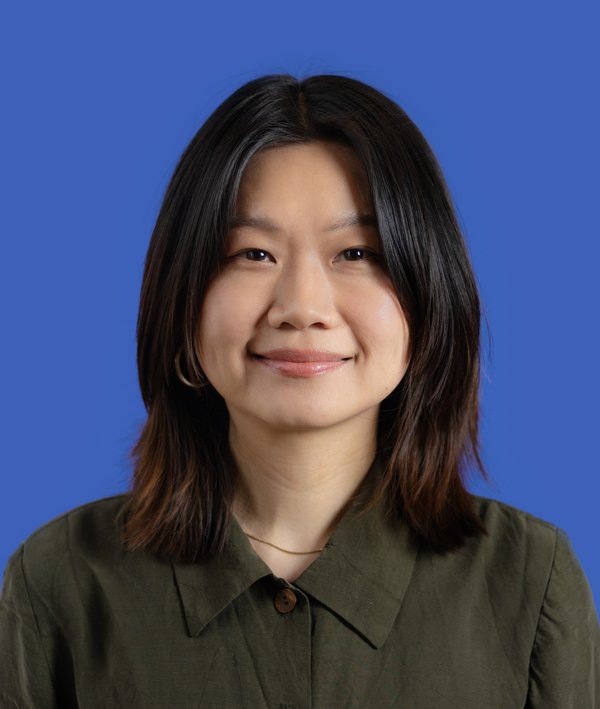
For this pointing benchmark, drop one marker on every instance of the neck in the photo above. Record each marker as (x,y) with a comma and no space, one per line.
(293,486)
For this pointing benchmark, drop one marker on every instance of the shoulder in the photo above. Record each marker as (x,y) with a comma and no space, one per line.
(527,562)
(500,513)
(88,524)
(517,544)
(89,530)
(506,570)
(511,527)
(540,593)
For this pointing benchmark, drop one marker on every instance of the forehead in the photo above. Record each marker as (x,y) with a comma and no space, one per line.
(316,174)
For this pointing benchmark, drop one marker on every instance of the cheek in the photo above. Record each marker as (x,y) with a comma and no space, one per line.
(382,325)
(226,319)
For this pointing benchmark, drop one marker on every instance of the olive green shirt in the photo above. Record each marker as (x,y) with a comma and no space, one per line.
(376,621)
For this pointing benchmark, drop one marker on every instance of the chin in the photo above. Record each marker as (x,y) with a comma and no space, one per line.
(310,418)
(291,417)
(298,422)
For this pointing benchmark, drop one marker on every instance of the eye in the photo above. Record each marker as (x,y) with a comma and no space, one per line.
(253,255)
(359,254)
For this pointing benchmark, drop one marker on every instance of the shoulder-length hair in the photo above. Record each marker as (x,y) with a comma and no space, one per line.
(184,476)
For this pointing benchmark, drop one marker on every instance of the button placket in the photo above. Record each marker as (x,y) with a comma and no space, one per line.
(293,643)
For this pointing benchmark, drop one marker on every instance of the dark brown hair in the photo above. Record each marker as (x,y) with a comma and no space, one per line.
(428,427)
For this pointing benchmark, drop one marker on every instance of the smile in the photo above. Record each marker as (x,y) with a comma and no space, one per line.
(301,363)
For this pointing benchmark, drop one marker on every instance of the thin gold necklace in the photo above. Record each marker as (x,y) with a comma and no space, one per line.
(287,551)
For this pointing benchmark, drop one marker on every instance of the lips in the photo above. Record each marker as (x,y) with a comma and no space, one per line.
(301,363)
(288,355)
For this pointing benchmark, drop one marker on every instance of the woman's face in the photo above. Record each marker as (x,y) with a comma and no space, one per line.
(302,328)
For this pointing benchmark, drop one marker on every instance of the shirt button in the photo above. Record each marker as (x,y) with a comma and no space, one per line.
(285,600)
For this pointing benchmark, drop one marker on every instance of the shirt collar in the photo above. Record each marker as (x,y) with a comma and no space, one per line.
(364,572)
(208,587)
(361,576)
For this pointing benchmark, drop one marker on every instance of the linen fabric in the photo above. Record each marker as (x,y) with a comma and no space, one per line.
(507,621)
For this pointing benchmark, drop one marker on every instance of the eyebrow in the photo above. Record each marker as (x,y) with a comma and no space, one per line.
(266,224)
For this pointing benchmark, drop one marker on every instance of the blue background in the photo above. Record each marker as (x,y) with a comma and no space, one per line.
(98,101)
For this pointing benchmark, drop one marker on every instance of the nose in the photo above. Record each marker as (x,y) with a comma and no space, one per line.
(303,296)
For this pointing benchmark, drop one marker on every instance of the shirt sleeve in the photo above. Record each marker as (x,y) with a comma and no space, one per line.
(25,677)
(564,671)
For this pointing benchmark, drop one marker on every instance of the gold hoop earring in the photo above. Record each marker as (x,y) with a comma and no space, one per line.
(200,385)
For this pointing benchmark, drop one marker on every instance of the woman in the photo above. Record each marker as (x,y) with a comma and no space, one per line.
(298,533)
